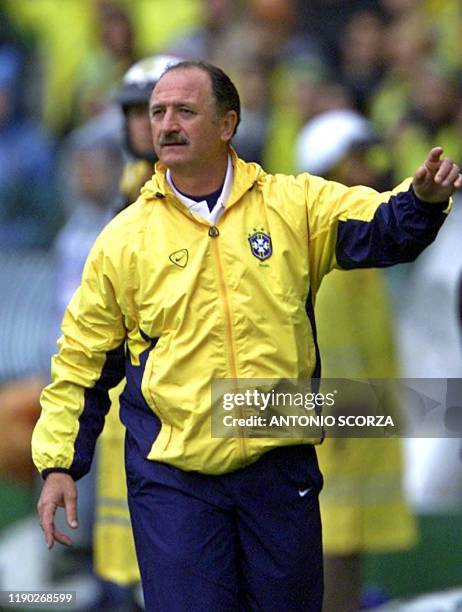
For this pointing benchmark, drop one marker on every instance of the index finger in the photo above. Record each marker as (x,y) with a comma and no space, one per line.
(434,155)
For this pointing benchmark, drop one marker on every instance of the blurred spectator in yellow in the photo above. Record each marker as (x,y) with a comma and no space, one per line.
(302,81)
(361,59)
(11,35)
(64,35)
(408,44)
(362,504)
(247,41)
(67,32)
(206,40)
(435,99)
(159,22)
(279,35)
(233,34)
(325,20)
(256,101)
(446,17)
(99,73)
(29,213)
(307,91)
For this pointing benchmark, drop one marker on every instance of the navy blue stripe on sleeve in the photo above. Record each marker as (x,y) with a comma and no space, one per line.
(96,406)
(398,232)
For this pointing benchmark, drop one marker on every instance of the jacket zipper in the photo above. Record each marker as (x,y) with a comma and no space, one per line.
(214,233)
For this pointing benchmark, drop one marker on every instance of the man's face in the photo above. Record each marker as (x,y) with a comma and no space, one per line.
(187,133)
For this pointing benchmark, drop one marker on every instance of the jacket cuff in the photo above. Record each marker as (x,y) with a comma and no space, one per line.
(433,206)
(45,473)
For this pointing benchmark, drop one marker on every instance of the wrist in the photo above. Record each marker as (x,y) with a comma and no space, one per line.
(425,202)
(55,470)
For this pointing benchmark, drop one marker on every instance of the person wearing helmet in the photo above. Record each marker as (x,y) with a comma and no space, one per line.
(133,98)
(114,559)
(362,507)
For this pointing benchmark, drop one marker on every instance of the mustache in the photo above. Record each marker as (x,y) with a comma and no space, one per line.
(172,138)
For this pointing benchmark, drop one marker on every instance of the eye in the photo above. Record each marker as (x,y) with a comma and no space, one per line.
(156,113)
(186,111)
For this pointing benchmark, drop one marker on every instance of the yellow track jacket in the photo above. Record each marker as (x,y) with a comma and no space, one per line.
(172,303)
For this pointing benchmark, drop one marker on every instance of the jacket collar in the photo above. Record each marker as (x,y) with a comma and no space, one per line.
(245,176)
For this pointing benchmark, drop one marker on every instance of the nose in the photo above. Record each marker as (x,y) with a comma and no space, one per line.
(169,121)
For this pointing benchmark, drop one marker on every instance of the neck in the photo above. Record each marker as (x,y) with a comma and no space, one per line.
(201,183)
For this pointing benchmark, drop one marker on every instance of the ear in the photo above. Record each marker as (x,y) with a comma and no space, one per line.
(228,125)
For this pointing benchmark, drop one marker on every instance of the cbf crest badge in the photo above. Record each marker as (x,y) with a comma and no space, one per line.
(260,244)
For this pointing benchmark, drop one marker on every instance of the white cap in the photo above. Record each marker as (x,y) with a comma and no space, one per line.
(327,138)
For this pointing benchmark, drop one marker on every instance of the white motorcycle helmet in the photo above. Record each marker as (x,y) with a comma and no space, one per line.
(139,80)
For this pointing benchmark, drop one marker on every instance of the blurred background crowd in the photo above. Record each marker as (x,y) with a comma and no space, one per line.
(354,90)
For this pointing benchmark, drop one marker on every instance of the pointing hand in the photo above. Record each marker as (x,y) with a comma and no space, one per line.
(436,179)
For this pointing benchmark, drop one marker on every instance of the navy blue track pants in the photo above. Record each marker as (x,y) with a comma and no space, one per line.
(249,540)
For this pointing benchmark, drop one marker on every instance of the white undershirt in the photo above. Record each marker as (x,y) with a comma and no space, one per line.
(201,208)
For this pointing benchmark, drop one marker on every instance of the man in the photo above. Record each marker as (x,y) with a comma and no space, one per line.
(178,291)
